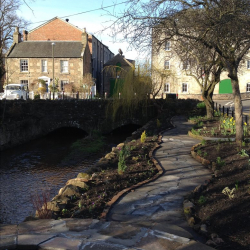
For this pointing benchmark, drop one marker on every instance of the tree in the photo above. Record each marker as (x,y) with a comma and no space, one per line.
(8,21)
(204,65)
(219,25)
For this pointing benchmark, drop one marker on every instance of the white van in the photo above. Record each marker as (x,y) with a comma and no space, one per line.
(16,91)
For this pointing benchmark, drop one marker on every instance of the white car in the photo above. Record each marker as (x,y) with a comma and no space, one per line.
(16,91)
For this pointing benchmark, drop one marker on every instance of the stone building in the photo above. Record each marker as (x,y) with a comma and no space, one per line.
(115,71)
(75,53)
(166,59)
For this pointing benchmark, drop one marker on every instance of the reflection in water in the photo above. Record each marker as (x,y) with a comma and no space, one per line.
(31,167)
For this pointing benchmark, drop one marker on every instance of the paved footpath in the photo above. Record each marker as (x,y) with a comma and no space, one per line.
(149,218)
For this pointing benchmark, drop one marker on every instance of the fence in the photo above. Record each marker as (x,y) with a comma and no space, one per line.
(62,95)
(229,112)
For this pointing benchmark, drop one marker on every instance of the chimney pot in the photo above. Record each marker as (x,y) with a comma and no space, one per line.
(67,19)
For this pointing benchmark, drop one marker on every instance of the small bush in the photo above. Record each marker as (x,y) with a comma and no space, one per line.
(201,105)
(220,163)
(143,136)
(202,200)
(158,123)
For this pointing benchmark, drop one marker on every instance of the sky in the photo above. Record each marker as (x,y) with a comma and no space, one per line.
(94,21)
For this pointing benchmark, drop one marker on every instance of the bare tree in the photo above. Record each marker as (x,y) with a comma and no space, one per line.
(220,25)
(9,19)
(204,65)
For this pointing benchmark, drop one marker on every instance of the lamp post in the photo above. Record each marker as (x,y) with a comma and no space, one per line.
(53,71)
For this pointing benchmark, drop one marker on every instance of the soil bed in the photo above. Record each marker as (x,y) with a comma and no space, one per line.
(229,217)
(106,181)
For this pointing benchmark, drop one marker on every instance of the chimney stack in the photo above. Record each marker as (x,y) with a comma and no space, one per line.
(25,35)
(84,37)
(17,36)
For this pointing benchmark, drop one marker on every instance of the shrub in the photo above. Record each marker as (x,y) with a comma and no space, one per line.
(220,163)
(143,136)
(202,200)
(158,123)
(201,105)
(40,203)
(123,154)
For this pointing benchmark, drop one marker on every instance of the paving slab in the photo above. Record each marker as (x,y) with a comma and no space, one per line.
(31,241)
(60,243)
(8,242)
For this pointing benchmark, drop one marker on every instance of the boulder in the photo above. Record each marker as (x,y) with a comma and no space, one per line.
(110,156)
(78,182)
(70,190)
(83,176)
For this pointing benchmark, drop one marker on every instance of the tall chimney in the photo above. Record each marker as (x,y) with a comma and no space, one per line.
(17,36)
(84,37)
(25,35)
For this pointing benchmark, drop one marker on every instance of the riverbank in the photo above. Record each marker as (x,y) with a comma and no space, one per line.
(128,164)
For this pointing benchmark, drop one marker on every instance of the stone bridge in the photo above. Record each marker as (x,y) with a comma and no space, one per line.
(22,121)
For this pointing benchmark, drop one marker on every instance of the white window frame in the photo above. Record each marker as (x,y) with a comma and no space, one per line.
(24,82)
(248,64)
(184,87)
(64,66)
(167,65)
(167,45)
(248,87)
(44,64)
(24,65)
(64,82)
(167,88)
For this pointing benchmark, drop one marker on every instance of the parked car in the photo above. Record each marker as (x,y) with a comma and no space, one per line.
(16,91)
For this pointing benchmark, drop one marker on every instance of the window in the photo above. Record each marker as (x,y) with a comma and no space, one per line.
(167,88)
(167,45)
(64,66)
(24,65)
(63,82)
(248,64)
(248,87)
(185,65)
(44,66)
(167,65)
(184,87)
(24,81)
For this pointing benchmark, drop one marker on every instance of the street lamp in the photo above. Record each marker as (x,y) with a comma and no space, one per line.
(53,70)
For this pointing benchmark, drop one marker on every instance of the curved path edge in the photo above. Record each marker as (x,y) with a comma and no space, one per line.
(148,217)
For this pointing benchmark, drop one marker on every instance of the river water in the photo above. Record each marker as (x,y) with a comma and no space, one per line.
(34,166)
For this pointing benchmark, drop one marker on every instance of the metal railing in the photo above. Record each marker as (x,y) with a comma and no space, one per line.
(229,112)
(62,95)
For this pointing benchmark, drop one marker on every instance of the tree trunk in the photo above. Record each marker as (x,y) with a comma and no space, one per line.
(238,106)
(208,100)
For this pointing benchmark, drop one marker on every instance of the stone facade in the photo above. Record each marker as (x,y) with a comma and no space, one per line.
(166,60)
(77,68)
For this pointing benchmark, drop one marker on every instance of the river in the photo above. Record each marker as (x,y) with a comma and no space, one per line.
(28,169)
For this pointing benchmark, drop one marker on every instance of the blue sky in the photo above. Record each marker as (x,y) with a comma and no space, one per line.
(94,22)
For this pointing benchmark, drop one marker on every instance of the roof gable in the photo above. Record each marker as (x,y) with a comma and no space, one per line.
(55,29)
(119,59)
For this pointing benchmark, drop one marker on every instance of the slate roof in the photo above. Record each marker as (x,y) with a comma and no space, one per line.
(43,49)
(121,59)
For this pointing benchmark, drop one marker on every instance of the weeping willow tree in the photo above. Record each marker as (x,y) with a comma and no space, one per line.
(131,89)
